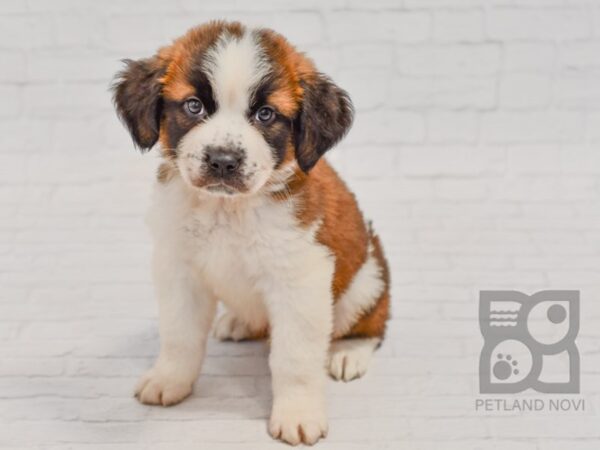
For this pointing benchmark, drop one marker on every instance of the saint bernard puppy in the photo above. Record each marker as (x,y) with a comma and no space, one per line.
(246,212)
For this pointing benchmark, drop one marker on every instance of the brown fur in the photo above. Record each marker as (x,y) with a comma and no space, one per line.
(165,173)
(178,59)
(373,323)
(323,197)
(186,49)
(319,114)
(291,68)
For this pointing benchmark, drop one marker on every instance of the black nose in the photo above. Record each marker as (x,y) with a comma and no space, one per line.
(222,163)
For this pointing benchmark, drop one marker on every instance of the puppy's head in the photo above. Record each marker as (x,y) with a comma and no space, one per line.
(231,107)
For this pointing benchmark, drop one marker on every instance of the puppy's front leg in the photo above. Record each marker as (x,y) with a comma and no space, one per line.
(301,323)
(186,312)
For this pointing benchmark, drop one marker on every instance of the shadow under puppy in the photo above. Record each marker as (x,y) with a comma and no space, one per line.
(246,212)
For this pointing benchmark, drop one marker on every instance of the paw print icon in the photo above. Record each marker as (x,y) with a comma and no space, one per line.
(503,368)
(529,342)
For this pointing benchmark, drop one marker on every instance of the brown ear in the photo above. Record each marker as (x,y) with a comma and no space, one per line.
(137,97)
(324,118)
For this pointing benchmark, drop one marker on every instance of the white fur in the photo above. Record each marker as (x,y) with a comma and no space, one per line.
(235,68)
(249,252)
(362,294)
(350,358)
(227,129)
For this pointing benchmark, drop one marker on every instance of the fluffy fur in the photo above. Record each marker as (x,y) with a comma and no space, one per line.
(246,212)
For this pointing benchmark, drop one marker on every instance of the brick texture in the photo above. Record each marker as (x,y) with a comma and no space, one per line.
(474,151)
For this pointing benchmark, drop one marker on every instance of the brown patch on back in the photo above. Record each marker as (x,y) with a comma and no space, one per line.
(323,196)
(373,322)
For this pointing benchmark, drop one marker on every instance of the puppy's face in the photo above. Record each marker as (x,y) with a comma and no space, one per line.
(232,107)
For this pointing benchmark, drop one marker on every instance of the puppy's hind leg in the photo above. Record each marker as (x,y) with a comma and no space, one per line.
(350,358)
(361,315)
(229,327)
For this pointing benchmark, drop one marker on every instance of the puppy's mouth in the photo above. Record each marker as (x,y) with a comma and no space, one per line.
(216,185)
(221,189)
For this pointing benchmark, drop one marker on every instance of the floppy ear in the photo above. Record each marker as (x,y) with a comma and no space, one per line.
(324,118)
(137,98)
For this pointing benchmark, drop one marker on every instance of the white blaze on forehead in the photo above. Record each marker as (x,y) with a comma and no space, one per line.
(235,66)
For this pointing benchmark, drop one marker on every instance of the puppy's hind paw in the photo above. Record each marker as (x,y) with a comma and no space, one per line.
(350,358)
(230,328)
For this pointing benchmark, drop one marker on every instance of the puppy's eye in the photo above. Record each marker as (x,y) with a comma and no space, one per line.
(265,115)
(194,106)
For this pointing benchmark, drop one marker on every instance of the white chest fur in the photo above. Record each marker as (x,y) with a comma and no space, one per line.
(239,248)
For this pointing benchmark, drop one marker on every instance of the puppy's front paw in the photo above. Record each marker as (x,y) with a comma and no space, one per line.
(159,388)
(299,421)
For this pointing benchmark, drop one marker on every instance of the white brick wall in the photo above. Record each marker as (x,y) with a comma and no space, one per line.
(474,150)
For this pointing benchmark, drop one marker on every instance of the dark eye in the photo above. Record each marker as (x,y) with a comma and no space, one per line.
(265,114)
(194,106)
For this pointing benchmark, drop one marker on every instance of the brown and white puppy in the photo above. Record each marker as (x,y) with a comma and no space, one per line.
(247,213)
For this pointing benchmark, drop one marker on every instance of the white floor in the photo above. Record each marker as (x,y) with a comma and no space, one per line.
(78,326)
